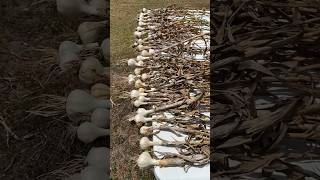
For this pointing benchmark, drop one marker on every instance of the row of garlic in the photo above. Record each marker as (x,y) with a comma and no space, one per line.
(91,71)
(145,26)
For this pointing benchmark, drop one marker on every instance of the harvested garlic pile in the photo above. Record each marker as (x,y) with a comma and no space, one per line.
(95,101)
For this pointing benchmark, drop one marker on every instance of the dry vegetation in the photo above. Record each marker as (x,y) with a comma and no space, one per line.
(30,33)
(125,136)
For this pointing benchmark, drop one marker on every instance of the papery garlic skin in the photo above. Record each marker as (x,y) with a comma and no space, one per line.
(144,143)
(145,160)
(87,132)
(98,157)
(91,173)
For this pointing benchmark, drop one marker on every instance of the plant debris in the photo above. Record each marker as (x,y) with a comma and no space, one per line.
(265,72)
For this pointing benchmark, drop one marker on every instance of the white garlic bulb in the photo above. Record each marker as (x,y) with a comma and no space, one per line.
(91,173)
(87,132)
(99,157)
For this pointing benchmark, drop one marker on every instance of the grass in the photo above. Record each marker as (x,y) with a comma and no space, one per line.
(125,136)
(123,21)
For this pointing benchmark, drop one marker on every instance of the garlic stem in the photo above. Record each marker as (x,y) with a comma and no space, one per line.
(138,103)
(145,143)
(133,63)
(146,161)
(145,112)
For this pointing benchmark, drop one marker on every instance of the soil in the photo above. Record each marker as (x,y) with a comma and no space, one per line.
(45,147)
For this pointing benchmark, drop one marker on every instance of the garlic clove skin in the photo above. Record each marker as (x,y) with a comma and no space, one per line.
(88,132)
(100,117)
(145,160)
(91,173)
(98,157)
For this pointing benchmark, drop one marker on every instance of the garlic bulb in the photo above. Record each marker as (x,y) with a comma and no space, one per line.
(136,94)
(100,90)
(90,32)
(99,157)
(80,101)
(139,84)
(146,53)
(87,132)
(105,48)
(145,143)
(91,173)
(141,58)
(150,90)
(70,7)
(131,79)
(142,23)
(92,71)
(138,71)
(145,76)
(138,34)
(101,117)
(142,47)
(68,52)
(144,112)
(133,63)
(100,5)
(145,160)
(145,130)
(138,103)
